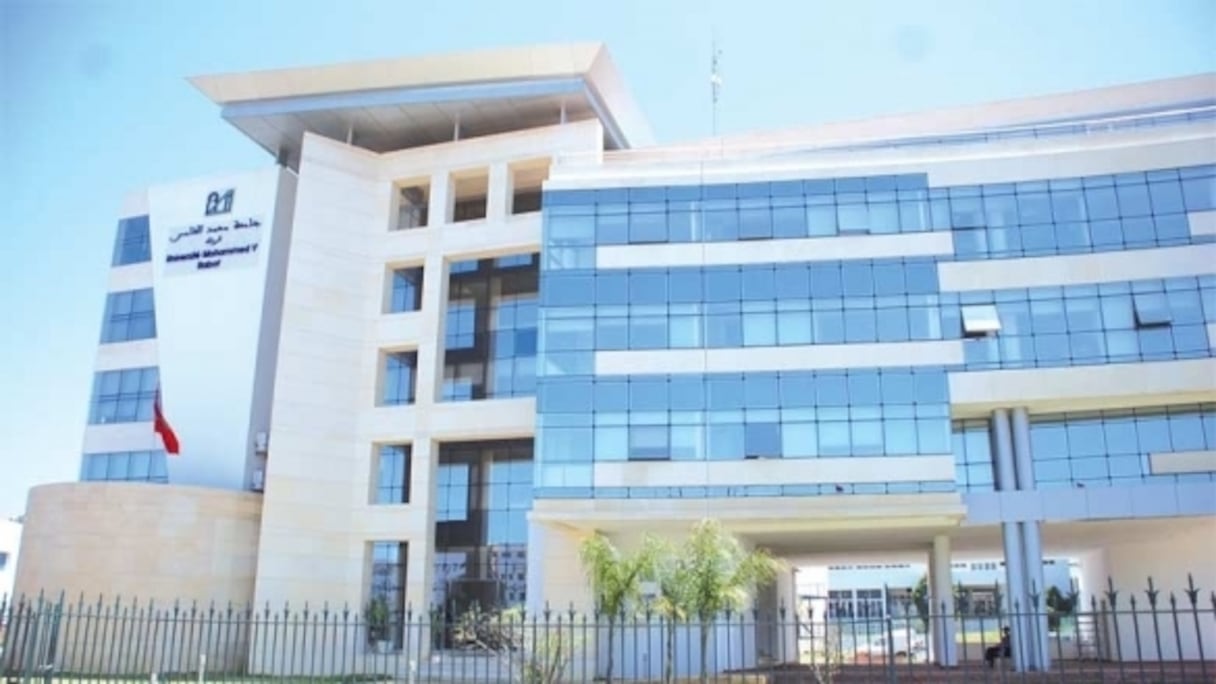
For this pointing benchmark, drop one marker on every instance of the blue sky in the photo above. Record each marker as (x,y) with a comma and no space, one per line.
(94,104)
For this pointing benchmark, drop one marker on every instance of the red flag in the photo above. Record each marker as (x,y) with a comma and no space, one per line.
(161,427)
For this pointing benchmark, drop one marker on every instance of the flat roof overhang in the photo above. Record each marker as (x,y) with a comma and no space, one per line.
(398,104)
(788,526)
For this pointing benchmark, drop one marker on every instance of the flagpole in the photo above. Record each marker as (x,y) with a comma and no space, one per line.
(715,79)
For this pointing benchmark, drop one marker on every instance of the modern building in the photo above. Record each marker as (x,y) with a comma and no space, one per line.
(473,314)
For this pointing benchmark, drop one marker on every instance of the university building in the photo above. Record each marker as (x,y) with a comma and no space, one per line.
(470,313)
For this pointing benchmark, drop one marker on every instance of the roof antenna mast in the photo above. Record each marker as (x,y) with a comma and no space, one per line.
(715,79)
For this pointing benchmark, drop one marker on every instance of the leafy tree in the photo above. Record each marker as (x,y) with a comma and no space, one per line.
(920,598)
(1058,604)
(712,573)
(616,579)
(962,599)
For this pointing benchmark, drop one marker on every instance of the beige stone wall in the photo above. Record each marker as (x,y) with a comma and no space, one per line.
(140,540)
(160,556)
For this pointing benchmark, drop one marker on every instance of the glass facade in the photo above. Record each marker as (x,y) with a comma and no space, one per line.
(132,244)
(1031,218)
(1115,447)
(393,474)
(973,462)
(388,564)
(1144,320)
(123,396)
(490,329)
(125,466)
(1070,215)
(129,316)
(587,417)
(894,300)
(796,414)
(400,376)
(483,493)
(405,293)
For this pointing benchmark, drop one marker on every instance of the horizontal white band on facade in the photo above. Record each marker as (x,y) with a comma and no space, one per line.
(99,439)
(758,514)
(1097,154)
(130,277)
(996,161)
(507,418)
(1077,269)
(775,251)
(799,357)
(1202,223)
(1181,462)
(776,471)
(118,355)
(1083,388)
(463,241)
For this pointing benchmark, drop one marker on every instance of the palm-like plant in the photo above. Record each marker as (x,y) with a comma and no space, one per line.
(616,578)
(712,574)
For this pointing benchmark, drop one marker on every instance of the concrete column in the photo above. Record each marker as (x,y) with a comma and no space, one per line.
(420,552)
(498,192)
(429,379)
(941,590)
(1011,536)
(1019,421)
(1015,598)
(1002,451)
(1032,548)
(1038,652)
(439,207)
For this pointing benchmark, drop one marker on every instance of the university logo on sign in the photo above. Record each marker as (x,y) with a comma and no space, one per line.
(220,203)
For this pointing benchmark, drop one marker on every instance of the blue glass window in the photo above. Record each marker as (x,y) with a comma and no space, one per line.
(648,443)
(1113,447)
(129,316)
(573,230)
(125,466)
(132,244)
(761,440)
(789,222)
(755,223)
(393,474)
(399,372)
(821,220)
(1199,193)
(123,396)
(648,227)
(406,293)
(721,225)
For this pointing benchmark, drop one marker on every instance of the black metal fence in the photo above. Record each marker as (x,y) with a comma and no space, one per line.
(1145,636)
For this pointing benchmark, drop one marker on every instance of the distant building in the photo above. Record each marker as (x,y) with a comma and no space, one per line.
(10,543)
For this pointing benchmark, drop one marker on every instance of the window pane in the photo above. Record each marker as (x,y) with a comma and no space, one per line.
(762,439)
(799,440)
(821,220)
(755,223)
(725,441)
(789,222)
(759,329)
(648,227)
(853,218)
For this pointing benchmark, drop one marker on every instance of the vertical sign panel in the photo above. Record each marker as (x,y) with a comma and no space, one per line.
(211,243)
